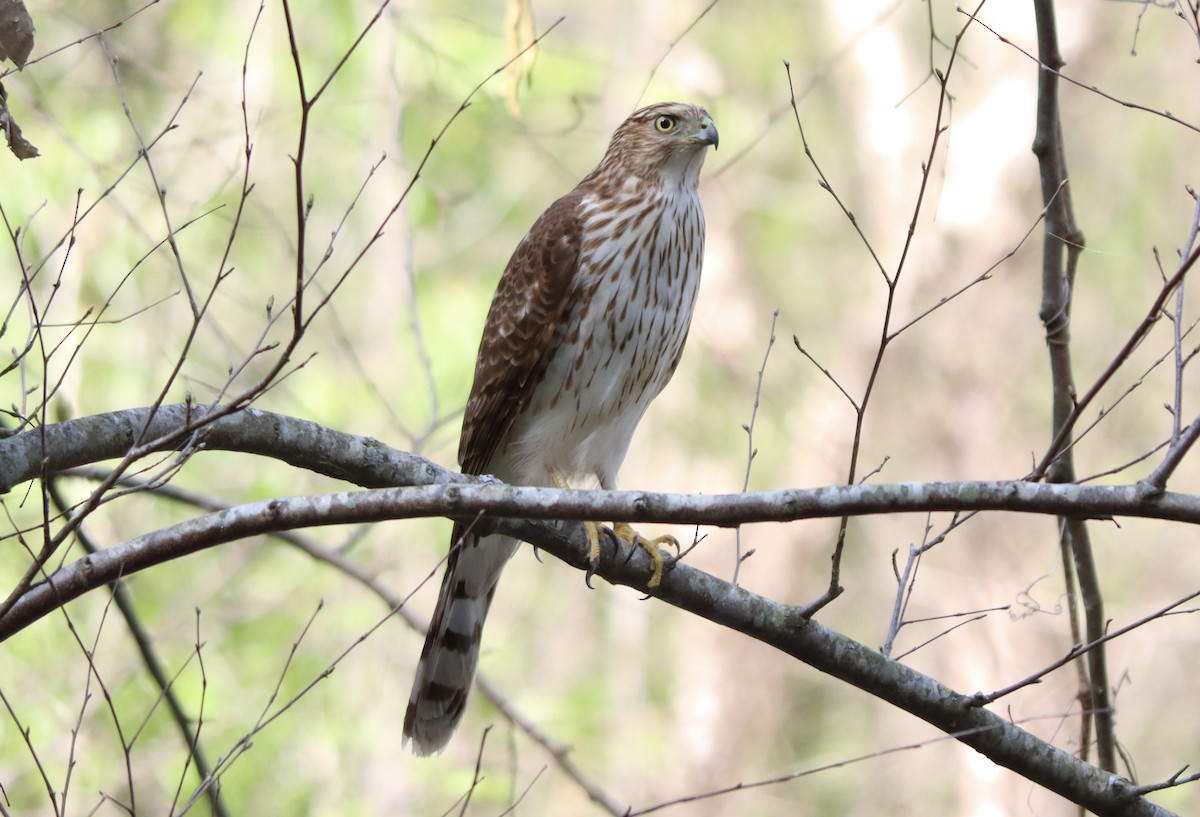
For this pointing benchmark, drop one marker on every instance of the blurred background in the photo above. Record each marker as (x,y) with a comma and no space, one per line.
(654,704)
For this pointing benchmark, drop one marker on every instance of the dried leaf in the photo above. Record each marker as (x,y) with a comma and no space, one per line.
(16,32)
(21,147)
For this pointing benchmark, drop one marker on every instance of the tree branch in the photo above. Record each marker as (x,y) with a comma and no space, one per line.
(1064,238)
(435,491)
(503,507)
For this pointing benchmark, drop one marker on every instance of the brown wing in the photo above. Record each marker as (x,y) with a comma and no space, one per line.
(530,302)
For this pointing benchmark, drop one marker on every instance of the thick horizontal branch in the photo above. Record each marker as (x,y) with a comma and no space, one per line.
(779,625)
(361,460)
(494,504)
(367,462)
(783,505)
(432,490)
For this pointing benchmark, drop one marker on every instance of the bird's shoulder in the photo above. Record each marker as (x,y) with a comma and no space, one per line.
(530,301)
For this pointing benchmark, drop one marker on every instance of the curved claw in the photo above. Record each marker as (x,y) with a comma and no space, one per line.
(634,544)
(594,531)
(626,533)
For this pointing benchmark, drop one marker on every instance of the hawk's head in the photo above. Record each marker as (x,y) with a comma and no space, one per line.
(664,142)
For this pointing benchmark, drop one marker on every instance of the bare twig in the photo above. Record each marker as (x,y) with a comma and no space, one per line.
(478,777)
(891,280)
(882,753)
(1055,69)
(986,275)
(1177,779)
(751,451)
(27,738)
(824,181)
(88,652)
(1182,439)
(671,47)
(516,802)
(1061,441)
(149,656)
(906,581)
(981,699)
(160,190)
(99,33)
(824,371)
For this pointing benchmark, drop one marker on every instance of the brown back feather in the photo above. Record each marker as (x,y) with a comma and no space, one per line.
(529,304)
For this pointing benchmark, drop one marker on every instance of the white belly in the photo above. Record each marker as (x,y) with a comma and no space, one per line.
(615,352)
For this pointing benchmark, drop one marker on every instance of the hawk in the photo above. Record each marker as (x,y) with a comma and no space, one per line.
(585,329)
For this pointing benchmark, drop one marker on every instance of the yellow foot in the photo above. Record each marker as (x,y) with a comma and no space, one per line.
(595,531)
(626,533)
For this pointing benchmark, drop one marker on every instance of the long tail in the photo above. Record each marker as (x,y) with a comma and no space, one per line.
(451,652)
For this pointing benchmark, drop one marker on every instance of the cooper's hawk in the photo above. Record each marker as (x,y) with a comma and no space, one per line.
(585,329)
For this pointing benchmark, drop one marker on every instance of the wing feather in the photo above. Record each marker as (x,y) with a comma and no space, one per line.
(530,302)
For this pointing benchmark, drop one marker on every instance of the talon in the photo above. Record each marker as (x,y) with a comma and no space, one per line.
(626,533)
(611,535)
(593,536)
(634,543)
(593,530)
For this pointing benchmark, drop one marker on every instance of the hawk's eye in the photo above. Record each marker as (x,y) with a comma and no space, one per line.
(664,124)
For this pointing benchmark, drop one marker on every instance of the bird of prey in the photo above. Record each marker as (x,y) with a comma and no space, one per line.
(585,329)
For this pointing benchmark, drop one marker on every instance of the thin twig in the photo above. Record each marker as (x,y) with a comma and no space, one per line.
(825,767)
(671,47)
(824,183)
(1181,439)
(751,451)
(149,656)
(159,189)
(981,699)
(99,33)
(478,777)
(986,275)
(892,280)
(824,371)
(27,738)
(1057,72)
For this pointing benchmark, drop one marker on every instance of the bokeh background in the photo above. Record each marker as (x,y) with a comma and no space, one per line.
(655,705)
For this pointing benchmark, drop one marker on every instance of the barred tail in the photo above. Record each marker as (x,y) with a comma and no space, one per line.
(451,652)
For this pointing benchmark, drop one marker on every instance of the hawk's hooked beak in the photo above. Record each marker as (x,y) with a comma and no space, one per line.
(707,134)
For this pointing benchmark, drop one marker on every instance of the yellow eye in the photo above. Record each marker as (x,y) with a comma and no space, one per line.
(664,124)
